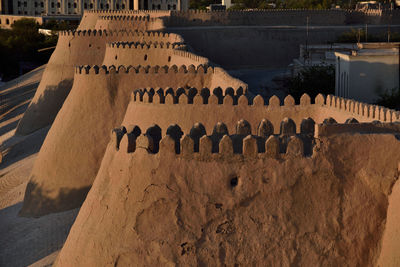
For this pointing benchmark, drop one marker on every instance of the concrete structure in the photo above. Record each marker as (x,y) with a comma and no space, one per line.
(318,55)
(368,71)
(77,7)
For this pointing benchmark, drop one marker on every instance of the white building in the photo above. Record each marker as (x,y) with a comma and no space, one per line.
(71,7)
(366,72)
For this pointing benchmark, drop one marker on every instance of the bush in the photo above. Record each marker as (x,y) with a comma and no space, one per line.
(390,99)
(312,80)
(21,44)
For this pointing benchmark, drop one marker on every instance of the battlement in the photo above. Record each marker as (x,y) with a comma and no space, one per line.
(190,56)
(95,69)
(132,18)
(145,45)
(196,143)
(133,33)
(123,12)
(373,112)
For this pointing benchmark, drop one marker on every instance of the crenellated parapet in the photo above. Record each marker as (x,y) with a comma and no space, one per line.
(95,69)
(145,45)
(126,22)
(186,57)
(219,142)
(355,108)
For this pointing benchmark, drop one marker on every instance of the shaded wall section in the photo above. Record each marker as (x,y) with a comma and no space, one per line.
(261,46)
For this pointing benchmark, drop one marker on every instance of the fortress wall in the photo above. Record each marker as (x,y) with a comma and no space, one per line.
(129,53)
(140,23)
(201,145)
(288,199)
(90,17)
(96,104)
(256,18)
(73,48)
(266,47)
(341,109)
(181,57)
(145,114)
(362,128)
(185,109)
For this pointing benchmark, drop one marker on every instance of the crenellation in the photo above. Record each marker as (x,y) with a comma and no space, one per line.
(305,100)
(289,101)
(274,102)
(295,147)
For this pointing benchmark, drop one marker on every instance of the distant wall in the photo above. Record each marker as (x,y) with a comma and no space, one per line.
(267,47)
(279,17)
(7,20)
(256,18)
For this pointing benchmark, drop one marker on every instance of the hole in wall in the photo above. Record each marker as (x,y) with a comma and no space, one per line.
(234,182)
(145,57)
(169,59)
(116,57)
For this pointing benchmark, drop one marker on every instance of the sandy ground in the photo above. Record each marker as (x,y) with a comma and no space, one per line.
(24,241)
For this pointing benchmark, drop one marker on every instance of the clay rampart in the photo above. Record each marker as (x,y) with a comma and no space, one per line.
(96,104)
(187,58)
(90,17)
(73,48)
(156,106)
(219,143)
(180,76)
(123,22)
(328,129)
(129,53)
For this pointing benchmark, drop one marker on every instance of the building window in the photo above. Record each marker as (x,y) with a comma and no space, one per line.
(123,6)
(58,4)
(69,5)
(52,4)
(159,6)
(174,7)
(85,6)
(7,21)
(91,5)
(117,6)
(74,5)
(101,6)
(41,4)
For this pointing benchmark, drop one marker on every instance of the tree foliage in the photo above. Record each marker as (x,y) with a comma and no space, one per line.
(21,44)
(313,81)
(390,99)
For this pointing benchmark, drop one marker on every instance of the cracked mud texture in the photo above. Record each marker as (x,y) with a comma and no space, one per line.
(164,209)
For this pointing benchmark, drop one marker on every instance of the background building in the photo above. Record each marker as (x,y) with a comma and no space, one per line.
(71,7)
(363,74)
